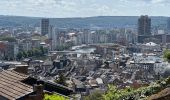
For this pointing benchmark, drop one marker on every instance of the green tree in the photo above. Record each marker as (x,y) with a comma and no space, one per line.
(42,50)
(167,55)
(9,39)
(61,80)
(114,93)
(24,54)
(36,52)
(30,53)
(94,96)
(19,55)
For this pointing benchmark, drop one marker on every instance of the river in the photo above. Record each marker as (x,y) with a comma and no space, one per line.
(83,50)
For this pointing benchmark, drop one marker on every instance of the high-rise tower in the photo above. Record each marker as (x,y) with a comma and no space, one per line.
(44,26)
(144,26)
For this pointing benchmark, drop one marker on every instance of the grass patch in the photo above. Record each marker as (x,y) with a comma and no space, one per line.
(55,97)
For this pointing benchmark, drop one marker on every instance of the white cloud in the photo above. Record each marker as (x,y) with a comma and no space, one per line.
(80,8)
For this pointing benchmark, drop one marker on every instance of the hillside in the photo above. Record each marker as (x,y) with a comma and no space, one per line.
(155,91)
(87,22)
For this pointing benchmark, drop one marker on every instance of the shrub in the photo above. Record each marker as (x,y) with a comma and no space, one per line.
(54,97)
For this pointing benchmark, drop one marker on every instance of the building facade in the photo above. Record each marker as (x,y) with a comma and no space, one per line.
(144,25)
(44,26)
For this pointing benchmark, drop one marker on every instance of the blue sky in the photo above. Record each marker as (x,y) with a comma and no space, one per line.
(84,8)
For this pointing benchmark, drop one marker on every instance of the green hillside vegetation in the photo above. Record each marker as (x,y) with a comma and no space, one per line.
(167,55)
(54,97)
(9,39)
(87,22)
(35,52)
(128,93)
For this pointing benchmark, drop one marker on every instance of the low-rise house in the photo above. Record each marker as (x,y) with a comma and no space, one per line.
(17,86)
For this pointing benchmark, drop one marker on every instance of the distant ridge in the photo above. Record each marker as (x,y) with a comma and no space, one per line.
(82,22)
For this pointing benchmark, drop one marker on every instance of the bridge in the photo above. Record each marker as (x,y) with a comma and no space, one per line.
(70,52)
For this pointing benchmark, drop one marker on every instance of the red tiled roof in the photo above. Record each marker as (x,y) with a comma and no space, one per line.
(11,86)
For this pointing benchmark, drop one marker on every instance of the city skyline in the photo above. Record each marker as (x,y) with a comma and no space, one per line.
(84,8)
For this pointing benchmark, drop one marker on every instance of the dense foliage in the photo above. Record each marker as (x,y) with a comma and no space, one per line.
(30,53)
(54,97)
(94,96)
(113,93)
(129,94)
(167,55)
(61,80)
(65,46)
(9,39)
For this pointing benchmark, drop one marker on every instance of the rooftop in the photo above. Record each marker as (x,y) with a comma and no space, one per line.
(11,86)
(151,44)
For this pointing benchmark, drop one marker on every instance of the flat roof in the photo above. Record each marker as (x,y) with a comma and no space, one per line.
(11,62)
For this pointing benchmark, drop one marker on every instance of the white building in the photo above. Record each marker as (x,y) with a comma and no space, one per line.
(150,47)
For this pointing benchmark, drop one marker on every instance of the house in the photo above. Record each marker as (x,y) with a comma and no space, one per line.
(11,86)
(17,86)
